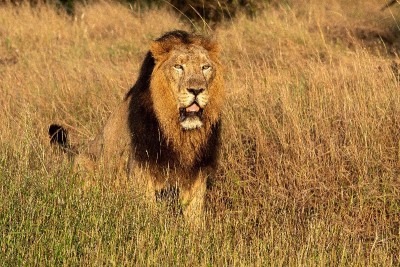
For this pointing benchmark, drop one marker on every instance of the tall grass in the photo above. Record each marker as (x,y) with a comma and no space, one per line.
(310,161)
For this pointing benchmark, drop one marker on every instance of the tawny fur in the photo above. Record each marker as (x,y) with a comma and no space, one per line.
(144,138)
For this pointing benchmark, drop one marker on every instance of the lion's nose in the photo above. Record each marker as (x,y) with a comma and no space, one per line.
(195,91)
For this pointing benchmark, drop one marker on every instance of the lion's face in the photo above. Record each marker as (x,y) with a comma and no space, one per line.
(190,71)
(186,86)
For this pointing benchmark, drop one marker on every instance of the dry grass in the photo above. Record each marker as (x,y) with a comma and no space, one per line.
(310,163)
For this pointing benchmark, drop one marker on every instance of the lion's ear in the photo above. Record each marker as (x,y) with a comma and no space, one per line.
(213,49)
(160,49)
(156,49)
(211,45)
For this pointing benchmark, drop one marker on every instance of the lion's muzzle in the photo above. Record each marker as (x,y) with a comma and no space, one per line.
(195,91)
(192,111)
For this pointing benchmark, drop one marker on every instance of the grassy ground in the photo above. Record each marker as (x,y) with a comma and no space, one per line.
(310,163)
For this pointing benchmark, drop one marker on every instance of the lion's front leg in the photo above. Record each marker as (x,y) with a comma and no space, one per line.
(192,199)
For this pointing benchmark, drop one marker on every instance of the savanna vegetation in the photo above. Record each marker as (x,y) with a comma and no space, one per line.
(310,160)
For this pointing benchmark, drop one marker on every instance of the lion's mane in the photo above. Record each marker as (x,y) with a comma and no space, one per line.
(160,140)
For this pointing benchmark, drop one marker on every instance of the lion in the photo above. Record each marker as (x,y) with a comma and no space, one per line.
(166,133)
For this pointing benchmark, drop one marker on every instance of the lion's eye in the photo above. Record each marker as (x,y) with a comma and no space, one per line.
(178,67)
(206,67)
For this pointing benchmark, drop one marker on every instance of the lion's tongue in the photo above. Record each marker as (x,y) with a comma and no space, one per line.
(193,108)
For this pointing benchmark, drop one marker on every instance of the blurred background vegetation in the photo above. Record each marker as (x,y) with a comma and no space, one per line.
(211,11)
(379,27)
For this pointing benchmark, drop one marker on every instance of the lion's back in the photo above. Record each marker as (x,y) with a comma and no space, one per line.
(111,146)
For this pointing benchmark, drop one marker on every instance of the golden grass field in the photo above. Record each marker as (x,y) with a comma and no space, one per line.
(310,160)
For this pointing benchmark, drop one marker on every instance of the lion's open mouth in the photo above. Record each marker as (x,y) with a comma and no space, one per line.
(194,110)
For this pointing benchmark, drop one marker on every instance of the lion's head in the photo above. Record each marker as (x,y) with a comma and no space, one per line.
(186,83)
(176,103)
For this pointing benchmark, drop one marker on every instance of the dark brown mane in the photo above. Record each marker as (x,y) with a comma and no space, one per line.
(143,81)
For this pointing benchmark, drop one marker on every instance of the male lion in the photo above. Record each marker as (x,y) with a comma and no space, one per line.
(165,134)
